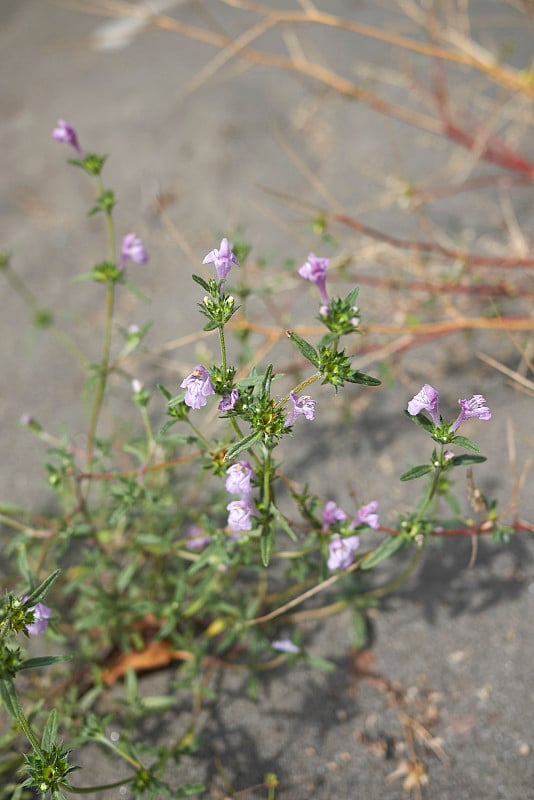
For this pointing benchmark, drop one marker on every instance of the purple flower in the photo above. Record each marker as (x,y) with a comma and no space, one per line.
(366,515)
(475,407)
(66,133)
(41,615)
(301,405)
(132,248)
(332,514)
(223,258)
(426,400)
(238,478)
(285,646)
(341,551)
(314,270)
(239,516)
(228,402)
(198,387)
(197,538)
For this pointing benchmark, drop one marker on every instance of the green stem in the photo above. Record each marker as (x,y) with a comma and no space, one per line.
(223,349)
(302,385)
(12,704)
(103,371)
(431,489)
(89,789)
(402,578)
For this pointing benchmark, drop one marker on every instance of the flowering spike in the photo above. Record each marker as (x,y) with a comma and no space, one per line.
(426,400)
(198,387)
(341,551)
(314,270)
(223,258)
(475,407)
(66,133)
(301,405)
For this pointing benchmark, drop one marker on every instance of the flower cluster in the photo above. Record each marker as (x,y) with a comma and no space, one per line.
(427,399)
(342,549)
(239,479)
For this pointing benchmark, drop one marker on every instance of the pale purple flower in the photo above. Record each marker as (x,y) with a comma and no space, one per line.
(341,551)
(238,478)
(239,516)
(41,615)
(426,400)
(475,407)
(301,405)
(228,402)
(197,538)
(198,387)
(314,270)
(66,133)
(133,249)
(366,515)
(223,258)
(285,646)
(332,514)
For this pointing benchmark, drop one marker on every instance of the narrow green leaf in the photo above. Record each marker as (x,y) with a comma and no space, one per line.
(9,697)
(43,661)
(384,550)
(190,789)
(244,444)
(465,460)
(363,379)
(421,420)
(50,731)
(39,593)
(266,545)
(201,282)
(352,295)
(416,472)
(165,392)
(282,521)
(463,441)
(304,348)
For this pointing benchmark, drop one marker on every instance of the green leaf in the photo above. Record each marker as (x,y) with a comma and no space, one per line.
(421,420)
(384,550)
(39,593)
(365,380)
(9,696)
(282,521)
(463,441)
(201,282)
(165,392)
(50,731)
(244,444)
(465,460)
(266,545)
(416,472)
(320,663)
(43,661)
(352,295)
(190,789)
(304,348)
(155,703)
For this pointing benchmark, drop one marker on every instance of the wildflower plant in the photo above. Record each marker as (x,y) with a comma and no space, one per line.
(156,571)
